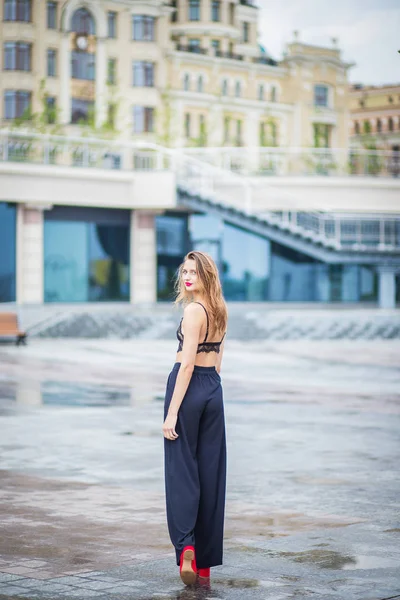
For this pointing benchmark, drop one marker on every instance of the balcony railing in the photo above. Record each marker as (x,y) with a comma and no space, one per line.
(265,60)
(230,55)
(302,161)
(192,49)
(195,175)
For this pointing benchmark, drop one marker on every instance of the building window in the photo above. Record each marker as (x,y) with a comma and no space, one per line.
(238,89)
(366,127)
(17,104)
(321,95)
(81,110)
(83,22)
(51,62)
(186,82)
(390,124)
(378,125)
(225,87)
(86,254)
(17,56)
(112,24)
(231,13)
(83,65)
(143,119)
(202,131)
(174,14)
(273,94)
(143,74)
(246,32)
(215,10)
(51,110)
(18,10)
(187,125)
(8,248)
(51,15)
(200,84)
(357,127)
(194,45)
(261,92)
(390,99)
(111,115)
(194,10)
(227,124)
(112,71)
(238,132)
(321,135)
(143,28)
(216,46)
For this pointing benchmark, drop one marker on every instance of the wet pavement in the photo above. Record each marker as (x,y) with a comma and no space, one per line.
(313,503)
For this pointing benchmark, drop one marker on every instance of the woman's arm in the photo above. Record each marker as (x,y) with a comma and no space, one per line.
(192,321)
(219,357)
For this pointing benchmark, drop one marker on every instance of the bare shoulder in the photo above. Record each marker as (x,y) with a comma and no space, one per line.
(193,313)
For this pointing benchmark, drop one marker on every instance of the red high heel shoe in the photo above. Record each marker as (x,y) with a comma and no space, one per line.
(204,573)
(187,566)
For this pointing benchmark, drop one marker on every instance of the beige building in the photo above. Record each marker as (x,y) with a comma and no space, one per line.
(191,73)
(375,116)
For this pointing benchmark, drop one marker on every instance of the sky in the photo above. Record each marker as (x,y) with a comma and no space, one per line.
(368,32)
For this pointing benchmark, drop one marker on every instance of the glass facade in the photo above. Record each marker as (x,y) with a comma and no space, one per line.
(255,269)
(7,252)
(86,255)
(172,245)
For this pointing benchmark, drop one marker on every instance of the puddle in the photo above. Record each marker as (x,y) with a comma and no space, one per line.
(373,562)
(66,393)
(324,559)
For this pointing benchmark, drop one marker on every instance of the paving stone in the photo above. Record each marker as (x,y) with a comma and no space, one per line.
(13,590)
(10,577)
(95,585)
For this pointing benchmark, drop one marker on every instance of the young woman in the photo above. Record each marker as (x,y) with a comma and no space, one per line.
(194,426)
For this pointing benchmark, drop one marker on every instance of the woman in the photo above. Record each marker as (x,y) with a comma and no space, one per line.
(194,426)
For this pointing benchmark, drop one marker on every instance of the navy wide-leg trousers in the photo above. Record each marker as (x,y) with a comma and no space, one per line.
(195,468)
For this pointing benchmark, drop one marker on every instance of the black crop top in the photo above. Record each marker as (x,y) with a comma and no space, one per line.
(203,346)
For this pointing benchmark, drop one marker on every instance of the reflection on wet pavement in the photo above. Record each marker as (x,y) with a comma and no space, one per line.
(312,497)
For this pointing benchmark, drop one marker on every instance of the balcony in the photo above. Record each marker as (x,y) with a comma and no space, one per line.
(248,3)
(230,55)
(192,49)
(265,60)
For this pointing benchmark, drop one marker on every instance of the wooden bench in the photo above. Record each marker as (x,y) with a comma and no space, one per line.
(9,328)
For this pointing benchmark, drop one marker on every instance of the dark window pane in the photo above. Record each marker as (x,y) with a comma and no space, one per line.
(17,10)
(112,71)
(51,15)
(16,104)
(85,261)
(83,65)
(51,62)
(321,95)
(83,22)
(194,10)
(7,252)
(143,74)
(112,24)
(215,10)
(81,110)
(143,28)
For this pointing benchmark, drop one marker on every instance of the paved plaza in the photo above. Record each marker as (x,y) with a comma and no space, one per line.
(313,498)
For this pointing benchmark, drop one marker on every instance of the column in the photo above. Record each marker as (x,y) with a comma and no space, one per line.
(30,255)
(143,257)
(65,79)
(101,75)
(387,287)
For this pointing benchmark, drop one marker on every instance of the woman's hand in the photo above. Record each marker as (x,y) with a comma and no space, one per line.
(169,427)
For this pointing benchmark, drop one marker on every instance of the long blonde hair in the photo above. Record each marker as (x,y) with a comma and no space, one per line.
(210,286)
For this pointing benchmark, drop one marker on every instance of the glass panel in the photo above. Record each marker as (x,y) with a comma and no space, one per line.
(7,252)
(171,248)
(109,262)
(85,262)
(245,265)
(83,22)
(65,262)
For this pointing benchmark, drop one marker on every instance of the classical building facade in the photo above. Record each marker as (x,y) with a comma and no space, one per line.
(375,116)
(186,73)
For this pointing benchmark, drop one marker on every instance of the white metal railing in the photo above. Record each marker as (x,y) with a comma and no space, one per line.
(257,161)
(197,174)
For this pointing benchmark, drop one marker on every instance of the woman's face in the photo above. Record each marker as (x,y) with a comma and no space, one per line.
(189,276)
